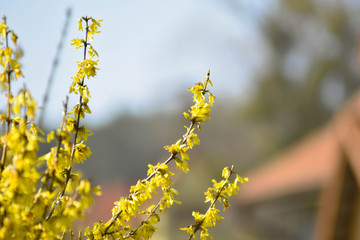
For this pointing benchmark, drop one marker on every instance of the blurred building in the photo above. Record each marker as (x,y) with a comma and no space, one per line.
(311,190)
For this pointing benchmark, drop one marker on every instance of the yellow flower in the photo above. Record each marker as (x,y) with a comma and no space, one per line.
(7,53)
(82,152)
(191,138)
(80,24)
(3,29)
(87,67)
(17,70)
(178,147)
(182,164)
(92,51)
(78,43)
(84,133)
(198,91)
(14,38)
(212,216)
(71,124)
(94,25)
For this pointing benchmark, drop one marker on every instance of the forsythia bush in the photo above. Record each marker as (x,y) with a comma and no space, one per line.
(41,196)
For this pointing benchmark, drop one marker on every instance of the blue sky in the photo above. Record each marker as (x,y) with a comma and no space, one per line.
(150,51)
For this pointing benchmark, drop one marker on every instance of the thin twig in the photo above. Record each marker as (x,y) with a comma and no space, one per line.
(54,67)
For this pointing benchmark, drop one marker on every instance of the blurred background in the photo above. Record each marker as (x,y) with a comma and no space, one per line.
(285,75)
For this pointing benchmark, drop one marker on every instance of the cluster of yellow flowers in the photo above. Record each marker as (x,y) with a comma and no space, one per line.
(219,192)
(19,145)
(35,203)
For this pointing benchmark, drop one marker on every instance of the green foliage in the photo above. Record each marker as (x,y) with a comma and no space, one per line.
(41,197)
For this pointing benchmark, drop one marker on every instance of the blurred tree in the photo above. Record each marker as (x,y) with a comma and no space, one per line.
(310,71)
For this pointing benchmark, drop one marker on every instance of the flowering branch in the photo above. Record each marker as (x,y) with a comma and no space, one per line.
(219,192)
(68,171)
(86,68)
(158,175)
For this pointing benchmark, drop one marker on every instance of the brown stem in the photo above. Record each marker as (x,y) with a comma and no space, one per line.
(8,117)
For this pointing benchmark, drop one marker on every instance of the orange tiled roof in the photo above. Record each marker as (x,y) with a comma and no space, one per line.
(310,163)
